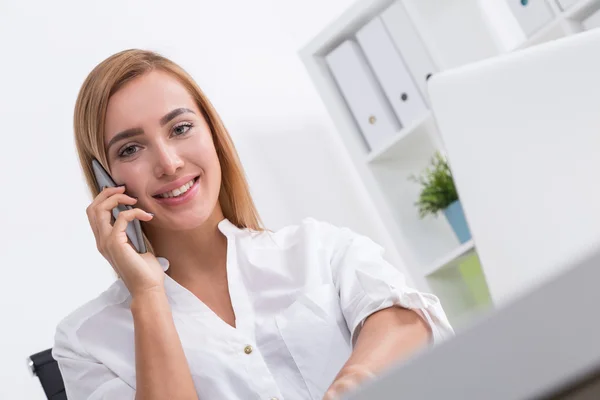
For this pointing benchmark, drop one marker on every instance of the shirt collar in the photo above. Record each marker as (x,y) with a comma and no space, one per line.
(225,226)
(228,228)
(181,297)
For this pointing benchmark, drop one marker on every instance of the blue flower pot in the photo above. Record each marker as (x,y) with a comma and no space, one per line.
(456,217)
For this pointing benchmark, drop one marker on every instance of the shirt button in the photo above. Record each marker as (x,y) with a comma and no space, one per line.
(248,349)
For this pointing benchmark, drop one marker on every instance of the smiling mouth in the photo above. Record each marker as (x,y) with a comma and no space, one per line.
(177,192)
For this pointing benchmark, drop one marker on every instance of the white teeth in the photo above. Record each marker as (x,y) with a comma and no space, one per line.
(179,191)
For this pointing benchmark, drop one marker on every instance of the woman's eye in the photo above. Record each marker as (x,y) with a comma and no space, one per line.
(178,130)
(182,129)
(128,151)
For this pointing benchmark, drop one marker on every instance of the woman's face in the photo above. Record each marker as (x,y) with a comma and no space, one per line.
(156,141)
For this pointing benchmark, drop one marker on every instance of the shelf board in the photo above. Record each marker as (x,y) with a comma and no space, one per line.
(545,34)
(452,258)
(581,10)
(576,12)
(389,148)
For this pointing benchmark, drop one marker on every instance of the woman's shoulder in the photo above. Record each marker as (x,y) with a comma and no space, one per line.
(69,327)
(307,231)
(307,224)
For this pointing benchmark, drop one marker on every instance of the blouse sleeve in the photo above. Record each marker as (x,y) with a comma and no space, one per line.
(367,283)
(84,377)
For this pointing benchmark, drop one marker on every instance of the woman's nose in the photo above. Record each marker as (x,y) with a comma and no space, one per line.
(168,161)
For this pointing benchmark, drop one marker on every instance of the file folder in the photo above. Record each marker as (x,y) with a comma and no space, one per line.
(564,4)
(531,14)
(363,94)
(391,72)
(410,45)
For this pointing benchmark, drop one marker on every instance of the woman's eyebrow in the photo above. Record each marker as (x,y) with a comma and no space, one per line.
(129,133)
(172,114)
(126,134)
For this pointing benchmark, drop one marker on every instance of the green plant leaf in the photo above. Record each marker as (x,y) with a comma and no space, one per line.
(438,189)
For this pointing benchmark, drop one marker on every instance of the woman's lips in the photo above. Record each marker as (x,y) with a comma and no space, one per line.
(183,198)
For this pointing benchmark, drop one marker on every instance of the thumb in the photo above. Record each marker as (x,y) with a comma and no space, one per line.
(340,387)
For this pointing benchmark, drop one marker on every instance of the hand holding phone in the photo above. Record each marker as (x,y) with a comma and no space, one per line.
(140,270)
(134,228)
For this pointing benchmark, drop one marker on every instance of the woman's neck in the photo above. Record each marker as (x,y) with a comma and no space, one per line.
(193,254)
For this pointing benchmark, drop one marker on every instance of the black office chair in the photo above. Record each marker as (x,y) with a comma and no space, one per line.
(46,369)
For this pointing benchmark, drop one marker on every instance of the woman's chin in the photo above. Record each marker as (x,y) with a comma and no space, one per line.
(186,224)
(184,218)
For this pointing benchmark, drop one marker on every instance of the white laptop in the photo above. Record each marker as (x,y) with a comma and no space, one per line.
(522,133)
(538,347)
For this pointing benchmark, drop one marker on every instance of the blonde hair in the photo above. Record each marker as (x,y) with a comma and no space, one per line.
(90,114)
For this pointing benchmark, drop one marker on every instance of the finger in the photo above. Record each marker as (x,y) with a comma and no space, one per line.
(104,211)
(346,384)
(111,202)
(119,232)
(339,387)
(127,216)
(106,192)
(103,195)
(331,395)
(92,221)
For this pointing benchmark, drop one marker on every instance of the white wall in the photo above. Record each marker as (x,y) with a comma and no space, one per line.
(242,53)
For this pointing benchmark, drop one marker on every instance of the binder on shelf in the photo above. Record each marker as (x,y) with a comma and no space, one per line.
(391,72)
(408,42)
(531,14)
(564,4)
(362,93)
(592,21)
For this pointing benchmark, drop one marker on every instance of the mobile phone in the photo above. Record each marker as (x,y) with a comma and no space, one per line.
(134,228)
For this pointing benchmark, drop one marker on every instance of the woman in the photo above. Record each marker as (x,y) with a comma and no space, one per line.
(219,308)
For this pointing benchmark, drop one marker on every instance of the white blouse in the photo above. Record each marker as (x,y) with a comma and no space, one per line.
(299,295)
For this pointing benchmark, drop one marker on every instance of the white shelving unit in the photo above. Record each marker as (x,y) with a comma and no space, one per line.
(454,33)
(389,150)
(451,259)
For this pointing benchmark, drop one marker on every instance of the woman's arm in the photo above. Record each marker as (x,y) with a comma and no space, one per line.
(387,336)
(162,371)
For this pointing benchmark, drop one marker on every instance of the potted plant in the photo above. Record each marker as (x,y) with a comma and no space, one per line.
(438,194)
